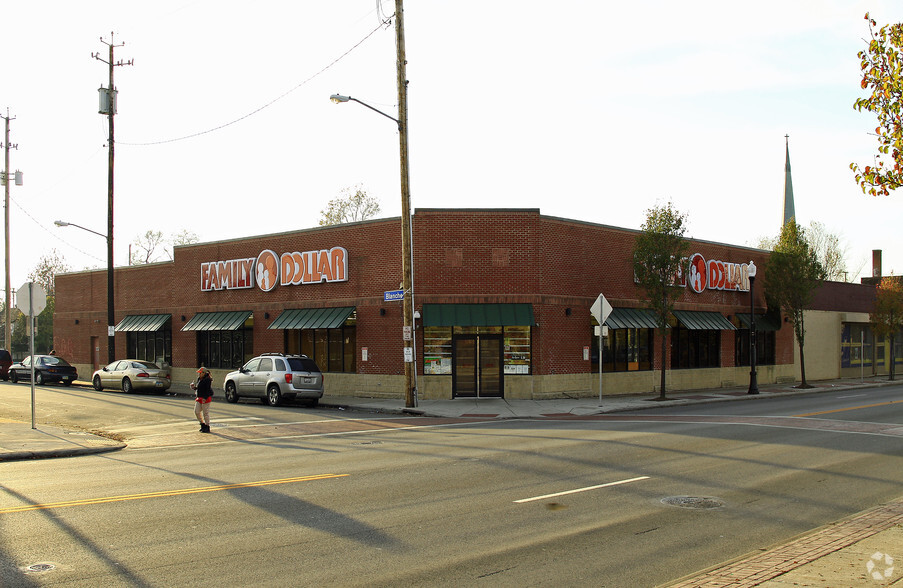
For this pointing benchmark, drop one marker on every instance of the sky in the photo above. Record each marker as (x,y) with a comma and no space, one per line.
(594,111)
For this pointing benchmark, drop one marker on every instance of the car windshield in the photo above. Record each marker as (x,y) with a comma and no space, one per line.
(302,364)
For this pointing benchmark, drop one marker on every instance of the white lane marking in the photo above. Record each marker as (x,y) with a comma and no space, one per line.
(179,423)
(852,396)
(544,496)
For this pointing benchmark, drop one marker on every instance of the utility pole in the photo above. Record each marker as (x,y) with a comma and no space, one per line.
(7,329)
(406,230)
(108,107)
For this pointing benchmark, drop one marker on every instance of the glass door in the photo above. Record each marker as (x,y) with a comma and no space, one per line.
(477,366)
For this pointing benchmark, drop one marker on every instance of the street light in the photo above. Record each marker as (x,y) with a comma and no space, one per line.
(753,384)
(111,333)
(406,249)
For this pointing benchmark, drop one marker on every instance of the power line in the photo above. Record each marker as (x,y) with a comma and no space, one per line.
(382,24)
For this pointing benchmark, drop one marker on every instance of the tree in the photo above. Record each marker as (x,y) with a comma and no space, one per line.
(349,208)
(658,255)
(887,318)
(43,274)
(152,246)
(829,250)
(882,73)
(792,273)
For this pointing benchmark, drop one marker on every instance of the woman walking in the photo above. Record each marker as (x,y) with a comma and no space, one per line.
(203,397)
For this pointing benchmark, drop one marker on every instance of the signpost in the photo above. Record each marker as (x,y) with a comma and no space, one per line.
(600,310)
(31,300)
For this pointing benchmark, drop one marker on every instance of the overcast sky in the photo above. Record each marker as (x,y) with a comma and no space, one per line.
(594,111)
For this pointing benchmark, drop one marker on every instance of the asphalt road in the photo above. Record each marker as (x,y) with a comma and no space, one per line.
(301,497)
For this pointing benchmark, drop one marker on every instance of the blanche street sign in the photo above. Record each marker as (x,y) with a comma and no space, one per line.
(393,295)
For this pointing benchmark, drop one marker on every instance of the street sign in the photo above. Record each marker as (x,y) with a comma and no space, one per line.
(393,295)
(600,309)
(31,299)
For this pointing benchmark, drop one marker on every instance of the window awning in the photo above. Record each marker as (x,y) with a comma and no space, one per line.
(142,322)
(478,315)
(704,320)
(217,321)
(763,322)
(312,318)
(630,318)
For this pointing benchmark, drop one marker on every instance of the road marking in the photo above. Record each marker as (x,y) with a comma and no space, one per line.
(618,483)
(164,493)
(808,414)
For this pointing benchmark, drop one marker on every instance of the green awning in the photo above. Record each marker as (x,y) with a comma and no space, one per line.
(631,318)
(217,321)
(763,322)
(478,315)
(704,320)
(142,322)
(312,318)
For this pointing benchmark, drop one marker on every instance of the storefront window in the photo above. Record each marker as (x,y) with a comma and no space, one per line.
(437,350)
(154,346)
(334,350)
(856,345)
(624,350)
(695,348)
(225,349)
(517,350)
(765,347)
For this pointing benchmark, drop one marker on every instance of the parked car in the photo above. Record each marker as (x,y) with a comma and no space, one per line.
(47,368)
(6,360)
(275,377)
(132,374)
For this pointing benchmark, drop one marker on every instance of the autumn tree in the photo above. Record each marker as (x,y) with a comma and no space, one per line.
(153,246)
(830,251)
(350,207)
(887,318)
(658,254)
(791,275)
(44,274)
(882,74)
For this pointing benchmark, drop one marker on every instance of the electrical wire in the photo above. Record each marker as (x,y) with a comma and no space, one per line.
(382,24)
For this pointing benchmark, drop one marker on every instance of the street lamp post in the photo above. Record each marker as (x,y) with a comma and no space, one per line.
(753,384)
(111,337)
(407,283)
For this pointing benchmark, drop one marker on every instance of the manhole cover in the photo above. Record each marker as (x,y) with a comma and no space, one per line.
(694,501)
(44,567)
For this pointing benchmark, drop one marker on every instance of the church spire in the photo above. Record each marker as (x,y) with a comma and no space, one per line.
(789,212)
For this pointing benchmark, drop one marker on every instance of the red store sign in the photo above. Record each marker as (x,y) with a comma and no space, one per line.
(715,275)
(267,270)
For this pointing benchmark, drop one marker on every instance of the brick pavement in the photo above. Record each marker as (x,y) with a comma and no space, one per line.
(812,550)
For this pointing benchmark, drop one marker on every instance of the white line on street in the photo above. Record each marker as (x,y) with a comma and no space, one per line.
(851,396)
(618,483)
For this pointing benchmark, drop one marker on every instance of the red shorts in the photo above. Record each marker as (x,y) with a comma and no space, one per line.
(204,400)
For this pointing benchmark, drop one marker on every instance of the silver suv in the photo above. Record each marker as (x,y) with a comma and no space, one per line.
(274,377)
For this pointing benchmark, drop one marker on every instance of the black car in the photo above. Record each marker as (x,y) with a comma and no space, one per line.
(47,368)
(6,360)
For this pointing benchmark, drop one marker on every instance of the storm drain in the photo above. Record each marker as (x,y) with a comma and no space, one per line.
(42,567)
(699,502)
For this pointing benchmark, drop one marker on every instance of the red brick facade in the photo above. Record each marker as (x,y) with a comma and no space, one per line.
(460,256)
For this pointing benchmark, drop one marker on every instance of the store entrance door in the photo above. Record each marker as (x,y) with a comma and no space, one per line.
(477,366)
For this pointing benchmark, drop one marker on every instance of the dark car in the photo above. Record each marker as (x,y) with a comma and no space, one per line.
(6,360)
(47,368)
(274,377)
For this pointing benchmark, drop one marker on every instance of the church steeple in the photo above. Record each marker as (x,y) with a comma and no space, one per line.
(789,212)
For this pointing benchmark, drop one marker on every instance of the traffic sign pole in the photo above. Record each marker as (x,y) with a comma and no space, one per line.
(32,305)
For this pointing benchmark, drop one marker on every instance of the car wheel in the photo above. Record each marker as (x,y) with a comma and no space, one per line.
(39,379)
(274,395)
(127,386)
(14,377)
(231,392)
(96,383)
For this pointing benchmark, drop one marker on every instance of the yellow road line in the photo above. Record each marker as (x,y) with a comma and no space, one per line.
(808,414)
(162,493)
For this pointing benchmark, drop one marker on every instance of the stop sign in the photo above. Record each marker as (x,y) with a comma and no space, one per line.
(31,298)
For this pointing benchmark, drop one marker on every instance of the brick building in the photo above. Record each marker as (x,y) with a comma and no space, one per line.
(503,298)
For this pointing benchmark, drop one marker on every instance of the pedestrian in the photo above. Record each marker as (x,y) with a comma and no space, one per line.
(203,397)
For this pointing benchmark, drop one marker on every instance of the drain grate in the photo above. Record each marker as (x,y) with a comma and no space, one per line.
(699,502)
(44,567)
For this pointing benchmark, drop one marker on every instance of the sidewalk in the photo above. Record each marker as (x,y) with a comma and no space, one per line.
(857,551)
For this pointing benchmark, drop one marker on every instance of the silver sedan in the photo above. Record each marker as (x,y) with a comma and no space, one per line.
(132,374)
